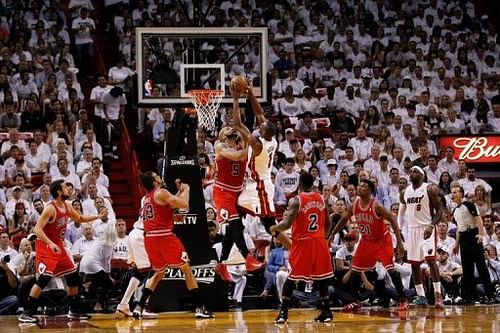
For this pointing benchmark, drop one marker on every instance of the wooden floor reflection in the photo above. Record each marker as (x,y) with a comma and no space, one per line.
(452,319)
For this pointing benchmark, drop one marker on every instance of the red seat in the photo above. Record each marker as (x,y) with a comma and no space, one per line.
(324,132)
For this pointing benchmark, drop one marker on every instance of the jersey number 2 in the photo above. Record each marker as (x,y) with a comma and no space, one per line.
(313,223)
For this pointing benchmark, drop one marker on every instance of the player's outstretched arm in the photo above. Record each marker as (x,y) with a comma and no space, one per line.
(343,221)
(288,217)
(75,216)
(257,109)
(401,211)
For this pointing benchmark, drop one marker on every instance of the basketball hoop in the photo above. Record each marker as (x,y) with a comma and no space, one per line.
(206,103)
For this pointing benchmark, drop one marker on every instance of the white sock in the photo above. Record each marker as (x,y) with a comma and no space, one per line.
(132,286)
(420,289)
(437,287)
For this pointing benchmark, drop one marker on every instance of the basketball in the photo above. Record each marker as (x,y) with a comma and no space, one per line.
(239,84)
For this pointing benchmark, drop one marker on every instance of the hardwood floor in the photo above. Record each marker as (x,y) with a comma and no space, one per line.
(452,319)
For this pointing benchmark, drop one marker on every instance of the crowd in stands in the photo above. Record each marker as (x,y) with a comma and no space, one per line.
(360,89)
(52,129)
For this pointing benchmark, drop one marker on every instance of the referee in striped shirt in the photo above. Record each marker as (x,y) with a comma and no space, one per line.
(470,239)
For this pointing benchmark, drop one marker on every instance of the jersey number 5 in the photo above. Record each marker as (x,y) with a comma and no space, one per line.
(313,223)
(235,170)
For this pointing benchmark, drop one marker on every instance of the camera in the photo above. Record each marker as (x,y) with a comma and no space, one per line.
(6,259)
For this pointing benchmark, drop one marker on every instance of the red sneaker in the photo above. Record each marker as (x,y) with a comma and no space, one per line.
(252,264)
(438,301)
(224,274)
(403,305)
(352,307)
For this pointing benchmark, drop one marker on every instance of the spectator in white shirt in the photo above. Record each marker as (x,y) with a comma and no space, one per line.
(83,244)
(469,184)
(361,144)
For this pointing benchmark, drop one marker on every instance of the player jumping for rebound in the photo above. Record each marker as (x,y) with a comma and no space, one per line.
(375,244)
(231,163)
(257,196)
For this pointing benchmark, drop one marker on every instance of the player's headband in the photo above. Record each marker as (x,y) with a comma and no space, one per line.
(419,169)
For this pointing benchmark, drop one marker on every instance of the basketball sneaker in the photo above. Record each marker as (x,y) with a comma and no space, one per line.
(282,317)
(122,310)
(201,313)
(438,301)
(27,317)
(420,301)
(252,264)
(137,313)
(403,304)
(324,316)
(74,314)
(149,315)
(352,307)
(224,274)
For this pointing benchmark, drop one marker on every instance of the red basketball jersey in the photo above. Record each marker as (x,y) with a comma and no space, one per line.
(371,226)
(156,216)
(55,228)
(230,174)
(310,220)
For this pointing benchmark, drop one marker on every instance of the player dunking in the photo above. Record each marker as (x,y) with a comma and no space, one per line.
(310,260)
(231,164)
(375,244)
(257,196)
(52,259)
(421,207)
(163,247)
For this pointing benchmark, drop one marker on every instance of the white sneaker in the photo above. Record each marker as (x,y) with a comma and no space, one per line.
(458,300)
(236,259)
(122,310)
(447,300)
(149,315)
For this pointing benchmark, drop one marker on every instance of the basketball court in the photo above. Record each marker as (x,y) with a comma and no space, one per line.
(451,319)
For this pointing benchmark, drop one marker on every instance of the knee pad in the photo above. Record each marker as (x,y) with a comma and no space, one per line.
(43,280)
(73,279)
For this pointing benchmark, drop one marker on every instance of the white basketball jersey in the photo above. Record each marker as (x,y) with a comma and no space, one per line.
(260,166)
(418,206)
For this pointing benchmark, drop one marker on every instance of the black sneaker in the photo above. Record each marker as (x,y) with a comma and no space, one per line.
(324,316)
(201,313)
(72,314)
(27,317)
(282,317)
(137,313)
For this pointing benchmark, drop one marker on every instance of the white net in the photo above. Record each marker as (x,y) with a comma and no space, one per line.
(206,103)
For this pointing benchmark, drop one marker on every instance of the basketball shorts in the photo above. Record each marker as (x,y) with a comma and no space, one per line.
(53,264)
(257,198)
(418,248)
(136,250)
(310,259)
(369,252)
(165,251)
(225,204)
